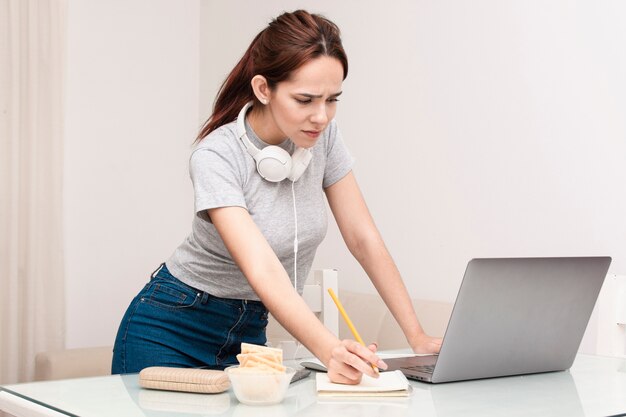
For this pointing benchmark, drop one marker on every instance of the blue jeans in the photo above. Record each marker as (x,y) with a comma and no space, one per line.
(172,324)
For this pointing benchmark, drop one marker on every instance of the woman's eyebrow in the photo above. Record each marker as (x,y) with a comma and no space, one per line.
(308,95)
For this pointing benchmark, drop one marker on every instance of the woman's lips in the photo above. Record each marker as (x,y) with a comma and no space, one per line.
(312,133)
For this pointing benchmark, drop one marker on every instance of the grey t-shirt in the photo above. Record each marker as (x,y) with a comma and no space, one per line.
(224,174)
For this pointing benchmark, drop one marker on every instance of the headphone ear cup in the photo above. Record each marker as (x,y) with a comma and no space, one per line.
(299,160)
(273,163)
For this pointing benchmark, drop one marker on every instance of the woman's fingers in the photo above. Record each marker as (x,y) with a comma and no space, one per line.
(428,344)
(363,358)
(350,360)
(435,345)
(342,373)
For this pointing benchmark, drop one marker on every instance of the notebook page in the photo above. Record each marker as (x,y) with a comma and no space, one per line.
(387,384)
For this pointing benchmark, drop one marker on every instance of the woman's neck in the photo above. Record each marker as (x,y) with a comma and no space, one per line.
(262,123)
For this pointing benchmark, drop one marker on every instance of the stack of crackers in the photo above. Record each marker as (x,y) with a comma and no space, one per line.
(256,358)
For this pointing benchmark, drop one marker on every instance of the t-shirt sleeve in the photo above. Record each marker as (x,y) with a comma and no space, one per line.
(216,177)
(339,162)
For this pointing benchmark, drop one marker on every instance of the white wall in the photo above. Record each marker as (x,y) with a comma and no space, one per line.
(481,129)
(132,100)
(490,128)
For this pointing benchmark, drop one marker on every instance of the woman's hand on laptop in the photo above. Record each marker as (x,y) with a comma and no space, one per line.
(423,343)
(350,360)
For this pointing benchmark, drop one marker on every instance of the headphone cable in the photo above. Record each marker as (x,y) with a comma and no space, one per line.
(295,239)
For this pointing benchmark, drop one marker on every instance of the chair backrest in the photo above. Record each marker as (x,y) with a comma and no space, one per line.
(73,363)
(370,315)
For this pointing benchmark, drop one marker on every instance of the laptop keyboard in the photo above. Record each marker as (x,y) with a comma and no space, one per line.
(428,369)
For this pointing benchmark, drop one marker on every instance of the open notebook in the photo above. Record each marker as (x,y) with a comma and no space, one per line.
(388,384)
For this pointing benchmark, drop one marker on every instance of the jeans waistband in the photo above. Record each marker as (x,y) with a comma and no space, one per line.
(163,273)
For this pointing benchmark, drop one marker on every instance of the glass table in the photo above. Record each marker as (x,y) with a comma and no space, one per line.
(594,386)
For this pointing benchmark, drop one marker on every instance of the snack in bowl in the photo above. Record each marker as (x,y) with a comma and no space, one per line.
(250,348)
(260,378)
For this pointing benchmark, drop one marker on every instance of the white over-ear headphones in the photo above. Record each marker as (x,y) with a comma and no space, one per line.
(273,162)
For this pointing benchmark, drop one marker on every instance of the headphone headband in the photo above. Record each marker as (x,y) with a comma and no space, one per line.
(241,130)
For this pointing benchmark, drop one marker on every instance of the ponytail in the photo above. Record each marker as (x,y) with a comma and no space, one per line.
(234,93)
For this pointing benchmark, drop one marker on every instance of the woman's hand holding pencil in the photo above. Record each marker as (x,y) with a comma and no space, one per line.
(351,359)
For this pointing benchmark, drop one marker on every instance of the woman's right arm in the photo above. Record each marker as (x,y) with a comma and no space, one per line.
(345,360)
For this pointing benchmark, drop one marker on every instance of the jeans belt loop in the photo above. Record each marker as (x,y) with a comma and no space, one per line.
(156,271)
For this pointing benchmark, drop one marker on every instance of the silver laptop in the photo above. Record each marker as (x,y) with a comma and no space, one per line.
(514,316)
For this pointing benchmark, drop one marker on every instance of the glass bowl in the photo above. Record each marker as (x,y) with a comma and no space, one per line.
(257,387)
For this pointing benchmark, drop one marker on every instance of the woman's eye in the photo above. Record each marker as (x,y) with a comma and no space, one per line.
(307,101)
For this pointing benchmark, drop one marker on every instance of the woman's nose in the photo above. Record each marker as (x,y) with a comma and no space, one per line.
(320,114)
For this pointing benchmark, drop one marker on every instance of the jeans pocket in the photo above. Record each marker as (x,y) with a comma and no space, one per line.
(170,295)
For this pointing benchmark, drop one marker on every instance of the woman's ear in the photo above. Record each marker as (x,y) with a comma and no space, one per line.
(261,89)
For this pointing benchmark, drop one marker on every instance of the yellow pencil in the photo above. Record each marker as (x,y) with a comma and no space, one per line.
(348,321)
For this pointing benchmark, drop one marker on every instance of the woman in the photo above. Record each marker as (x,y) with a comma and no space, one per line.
(260,169)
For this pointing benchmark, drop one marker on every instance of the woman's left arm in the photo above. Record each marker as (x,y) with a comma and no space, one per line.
(366,245)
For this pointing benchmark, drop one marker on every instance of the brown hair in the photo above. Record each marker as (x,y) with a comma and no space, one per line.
(287,43)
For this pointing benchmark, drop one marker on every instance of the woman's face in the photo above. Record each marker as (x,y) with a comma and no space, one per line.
(301,107)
